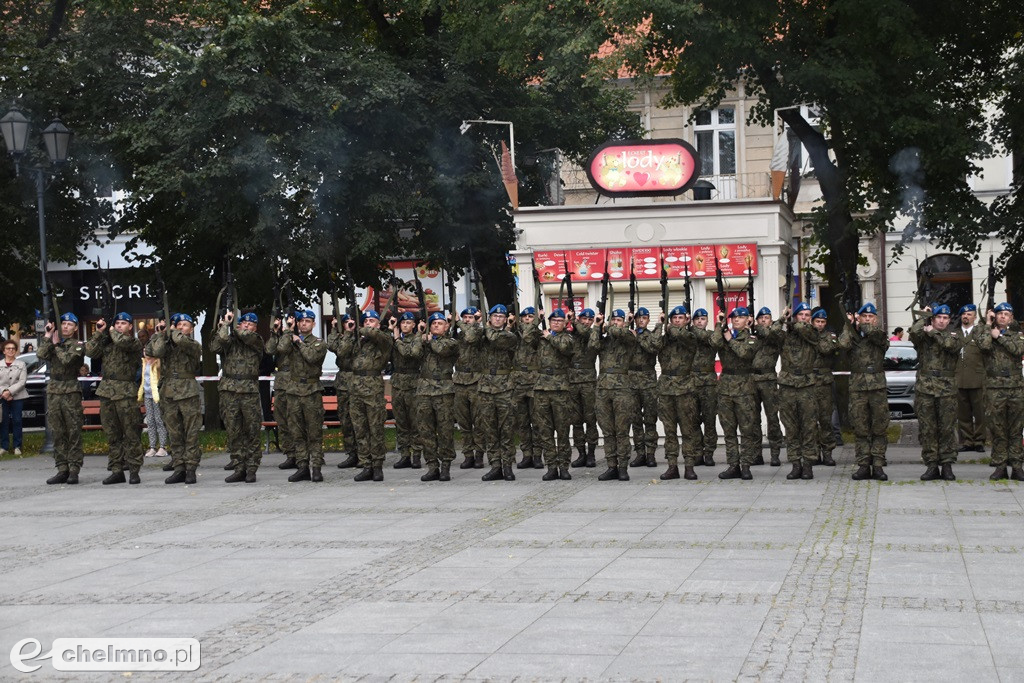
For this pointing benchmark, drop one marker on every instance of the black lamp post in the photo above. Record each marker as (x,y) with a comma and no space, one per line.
(15,128)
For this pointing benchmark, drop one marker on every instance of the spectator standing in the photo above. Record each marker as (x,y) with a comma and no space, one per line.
(13,393)
(149,394)
(897,334)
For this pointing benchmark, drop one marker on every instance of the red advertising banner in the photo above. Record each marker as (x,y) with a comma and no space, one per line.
(737,259)
(732,300)
(548,265)
(703,260)
(577,304)
(646,263)
(618,263)
(587,265)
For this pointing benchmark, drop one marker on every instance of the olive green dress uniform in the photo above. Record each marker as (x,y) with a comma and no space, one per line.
(305,412)
(677,400)
(493,421)
(583,393)
(766,385)
(369,353)
(524,378)
(643,378)
(241,352)
(180,405)
(935,392)
(551,395)
(737,410)
(797,392)
(466,379)
(869,403)
(616,404)
(118,394)
(435,395)
(970,385)
(705,381)
(824,391)
(1004,393)
(64,401)
(281,400)
(405,372)
(342,382)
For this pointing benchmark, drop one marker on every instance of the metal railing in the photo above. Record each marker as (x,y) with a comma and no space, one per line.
(728,186)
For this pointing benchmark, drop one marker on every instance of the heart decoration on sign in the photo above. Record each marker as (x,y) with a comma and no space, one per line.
(641,178)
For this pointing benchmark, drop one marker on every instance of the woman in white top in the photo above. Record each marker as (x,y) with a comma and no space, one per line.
(13,393)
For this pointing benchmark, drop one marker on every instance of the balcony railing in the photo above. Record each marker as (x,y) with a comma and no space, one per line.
(577,189)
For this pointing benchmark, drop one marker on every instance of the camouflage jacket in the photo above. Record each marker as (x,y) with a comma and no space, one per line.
(343,379)
(583,369)
(799,351)
(676,351)
(241,353)
(767,356)
(66,359)
(704,374)
(304,360)
(737,356)
(369,356)
(828,351)
(642,372)
(280,368)
(867,348)
(524,362)
(615,350)
(179,363)
(497,347)
(553,357)
(122,360)
(467,364)
(405,368)
(1002,357)
(937,355)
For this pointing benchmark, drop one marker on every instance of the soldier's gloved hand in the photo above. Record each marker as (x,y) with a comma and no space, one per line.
(599,320)
(228,317)
(996,333)
(334,323)
(296,338)
(161,326)
(290,322)
(350,325)
(422,326)
(101,325)
(49,328)
(478,316)
(661,318)
(720,317)
(928,328)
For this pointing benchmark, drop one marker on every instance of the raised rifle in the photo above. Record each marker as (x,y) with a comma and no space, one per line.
(421,296)
(632,288)
(750,293)
(350,295)
(788,291)
(602,305)
(991,284)
(391,306)
(571,308)
(227,295)
(162,287)
(513,271)
(924,285)
(686,287)
(720,284)
(107,305)
(664,288)
(478,283)
(537,300)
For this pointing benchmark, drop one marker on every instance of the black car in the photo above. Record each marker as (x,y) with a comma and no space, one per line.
(32,414)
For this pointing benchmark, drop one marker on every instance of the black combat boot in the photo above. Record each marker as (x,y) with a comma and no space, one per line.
(639,461)
(563,474)
(999,473)
(1016,473)
(115,478)
(133,478)
(795,472)
(651,462)
(582,460)
(688,473)
(237,476)
(169,467)
(807,471)
(432,473)
(507,473)
(709,460)
(591,456)
(177,478)
(526,463)
(671,473)
(731,472)
(365,474)
(551,474)
(417,461)
(468,462)
(301,474)
(190,475)
(947,472)
(493,474)
(931,474)
(775,461)
(288,464)
(745,474)
(403,463)
(478,461)
(231,466)
(863,472)
(378,473)
(351,461)
(758,459)
(610,474)
(315,474)
(250,475)
(59,478)
(623,473)
(826,459)
(446,472)
(538,462)
(72,477)
(878,474)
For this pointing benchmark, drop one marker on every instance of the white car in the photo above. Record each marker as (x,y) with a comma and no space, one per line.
(900,378)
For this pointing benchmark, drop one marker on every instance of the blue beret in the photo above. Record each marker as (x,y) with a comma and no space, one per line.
(764,311)
(557,313)
(739,311)
(941,310)
(369,314)
(967,307)
(586,313)
(345,317)
(127,317)
(175,318)
(820,314)
(867,308)
(178,317)
(643,311)
(618,313)
(529,310)
(933,305)
(436,315)
(249,317)
(802,306)
(307,313)
(499,308)
(1003,307)
(408,315)
(470,310)
(678,310)
(69,317)
(700,313)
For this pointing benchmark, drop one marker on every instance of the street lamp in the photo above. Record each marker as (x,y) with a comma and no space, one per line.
(15,127)
(466,125)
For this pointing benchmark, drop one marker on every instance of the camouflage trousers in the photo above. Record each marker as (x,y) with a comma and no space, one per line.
(869,413)
(435,419)
(583,414)
(284,435)
(970,416)
(64,415)
(615,408)
(404,406)
(799,413)
(242,414)
(645,419)
(465,415)
(551,422)
(825,401)
(522,418)
(1005,424)
(737,415)
(368,416)
(936,427)
(767,399)
(493,427)
(348,432)
(183,419)
(678,414)
(122,425)
(306,423)
(707,412)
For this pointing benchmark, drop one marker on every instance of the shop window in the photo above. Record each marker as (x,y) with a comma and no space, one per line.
(947,279)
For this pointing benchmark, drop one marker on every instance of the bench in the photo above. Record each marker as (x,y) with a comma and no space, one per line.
(91,408)
(330,406)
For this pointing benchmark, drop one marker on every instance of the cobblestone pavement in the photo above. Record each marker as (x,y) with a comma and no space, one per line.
(766,580)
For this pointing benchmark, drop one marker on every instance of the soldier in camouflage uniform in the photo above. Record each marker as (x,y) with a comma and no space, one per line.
(705,381)
(935,391)
(583,391)
(281,397)
(466,381)
(766,383)
(677,402)
(867,343)
(369,351)
(342,382)
(644,379)
(493,421)
(121,353)
(434,352)
(1002,348)
(303,353)
(551,394)
(615,403)
(64,396)
(524,377)
(737,410)
(797,390)
(180,405)
(241,351)
(405,374)
(828,350)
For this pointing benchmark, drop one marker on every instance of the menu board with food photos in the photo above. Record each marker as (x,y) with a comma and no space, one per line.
(577,304)
(587,265)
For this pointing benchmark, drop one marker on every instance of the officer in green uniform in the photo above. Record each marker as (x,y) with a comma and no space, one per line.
(64,396)
(241,351)
(583,391)
(828,350)
(677,402)
(121,354)
(524,378)
(466,379)
(493,420)
(614,344)
(797,396)
(644,379)
(705,381)
(180,405)
(869,406)
(737,410)
(970,384)
(554,349)
(342,382)
(303,352)
(1002,348)
(405,372)
(938,351)
(766,383)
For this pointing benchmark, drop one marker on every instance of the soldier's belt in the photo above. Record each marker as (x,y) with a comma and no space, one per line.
(868,370)
(64,378)
(283,368)
(241,377)
(676,373)
(736,371)
(612,371)
(939,373)
(436,375)
(366,373)
(1001,373)
(464,369)
(179,375)
(119,378)
(554,371)
(497,371)
(403,372)
(523,368)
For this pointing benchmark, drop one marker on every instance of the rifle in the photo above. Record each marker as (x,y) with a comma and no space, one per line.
(567,281)
(788,291)
(227,294)
(481,295)
(632,287)
(602,305)
(421,297)
(108,306)
(720,284)
(537,300)
(991,284)
(924,285)
(686,286)
(163,293)
(513,270)
(664,288)
(350,294)
(391,306)
(750,293)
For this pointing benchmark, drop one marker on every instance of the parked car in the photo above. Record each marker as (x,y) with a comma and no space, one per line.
(38,374)
(900,378)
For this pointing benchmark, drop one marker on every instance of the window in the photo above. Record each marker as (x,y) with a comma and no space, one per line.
(715,140)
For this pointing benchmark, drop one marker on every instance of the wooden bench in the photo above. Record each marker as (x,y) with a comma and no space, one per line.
(91,408)
(330,406)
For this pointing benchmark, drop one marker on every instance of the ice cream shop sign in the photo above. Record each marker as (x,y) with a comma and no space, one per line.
(638,168)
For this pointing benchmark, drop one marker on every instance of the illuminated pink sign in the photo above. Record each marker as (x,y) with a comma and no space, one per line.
(633,168)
